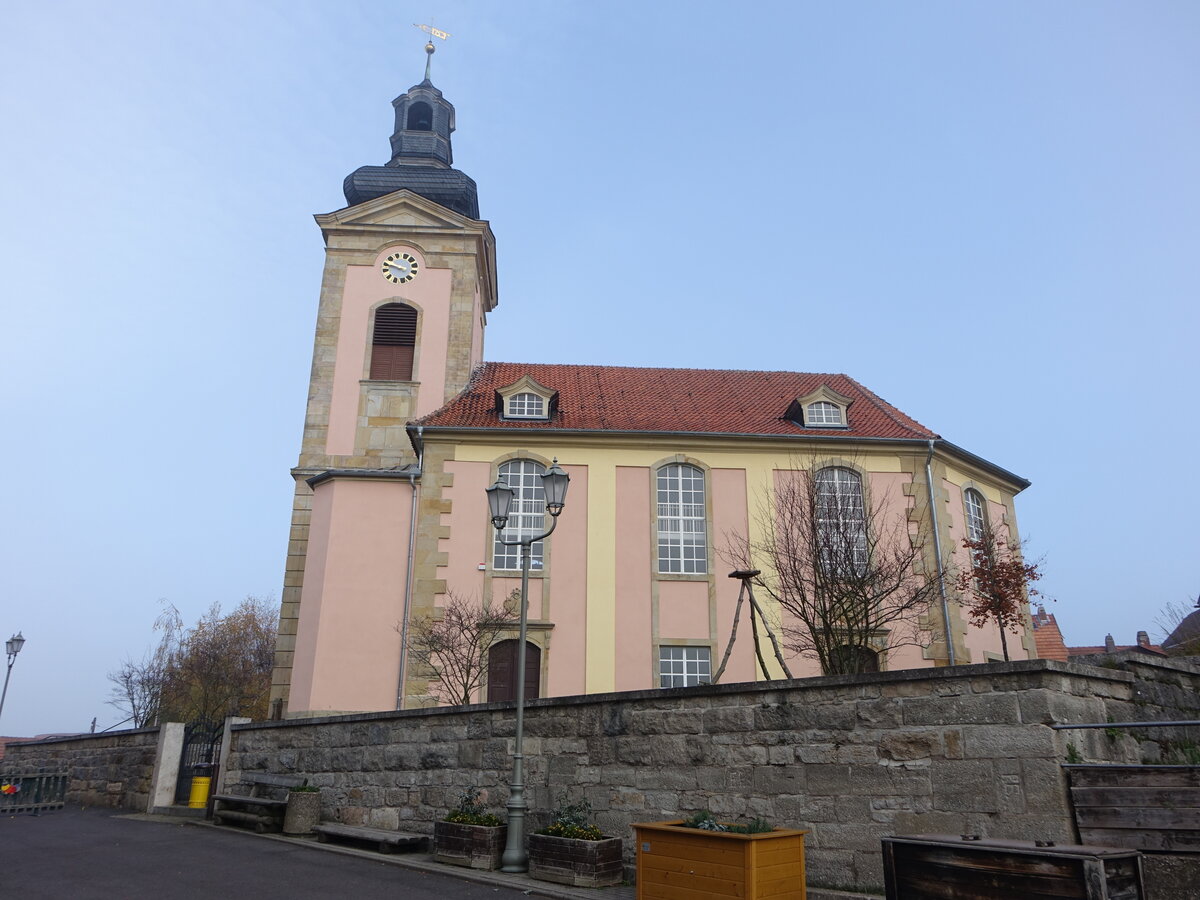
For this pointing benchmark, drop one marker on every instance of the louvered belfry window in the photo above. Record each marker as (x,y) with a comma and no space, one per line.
(392,343)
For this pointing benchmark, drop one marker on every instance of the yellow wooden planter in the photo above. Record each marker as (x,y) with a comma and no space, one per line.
(677,863)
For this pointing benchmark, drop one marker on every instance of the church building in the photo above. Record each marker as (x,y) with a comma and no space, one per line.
(407,425)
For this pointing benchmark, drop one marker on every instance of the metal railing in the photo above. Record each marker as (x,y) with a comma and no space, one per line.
(33,792)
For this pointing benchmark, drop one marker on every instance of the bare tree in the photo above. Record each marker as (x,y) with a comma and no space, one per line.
(849,579)
(220,666)
(453,643)
(138,685)
(998,583)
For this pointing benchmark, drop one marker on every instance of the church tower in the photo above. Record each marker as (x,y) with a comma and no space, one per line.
(410,275)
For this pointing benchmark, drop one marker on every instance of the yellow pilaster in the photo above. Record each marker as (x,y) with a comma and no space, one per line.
(600,666)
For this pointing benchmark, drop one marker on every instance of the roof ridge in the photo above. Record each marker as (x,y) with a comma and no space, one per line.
(891,411)
(668,369)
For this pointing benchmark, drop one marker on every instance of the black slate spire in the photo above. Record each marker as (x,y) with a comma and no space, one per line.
(421,155)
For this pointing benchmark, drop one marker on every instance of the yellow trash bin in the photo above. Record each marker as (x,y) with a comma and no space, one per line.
(198,798)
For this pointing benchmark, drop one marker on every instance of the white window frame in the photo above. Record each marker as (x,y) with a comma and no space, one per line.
(527,515)
(684,666)
(975,520)
(823,413)
(841,513)
(682,520)
(525,405)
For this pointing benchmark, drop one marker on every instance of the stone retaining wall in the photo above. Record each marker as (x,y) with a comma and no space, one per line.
(113,769)
(851,758)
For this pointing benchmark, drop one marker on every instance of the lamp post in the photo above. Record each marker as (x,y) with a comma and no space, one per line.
(12,647)
(500,498)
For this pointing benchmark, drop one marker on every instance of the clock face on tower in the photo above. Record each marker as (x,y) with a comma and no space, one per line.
(399,268)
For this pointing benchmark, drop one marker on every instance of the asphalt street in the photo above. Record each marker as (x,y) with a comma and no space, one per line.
(97,854)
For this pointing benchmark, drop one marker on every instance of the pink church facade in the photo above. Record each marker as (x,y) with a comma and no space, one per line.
(407,425)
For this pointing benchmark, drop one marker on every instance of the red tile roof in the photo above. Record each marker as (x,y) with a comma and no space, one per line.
(1047,638)
(692,401)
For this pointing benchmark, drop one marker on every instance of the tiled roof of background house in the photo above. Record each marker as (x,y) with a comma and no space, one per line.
(695,401)
(1047,638)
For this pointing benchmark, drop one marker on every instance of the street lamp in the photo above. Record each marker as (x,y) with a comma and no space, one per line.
(12,647)
(500,498)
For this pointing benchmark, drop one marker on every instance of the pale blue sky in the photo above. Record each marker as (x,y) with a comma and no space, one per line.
(986,212)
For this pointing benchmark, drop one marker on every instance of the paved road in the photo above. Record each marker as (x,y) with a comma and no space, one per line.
(107,855)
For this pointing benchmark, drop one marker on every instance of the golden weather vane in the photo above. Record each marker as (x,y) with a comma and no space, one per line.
(429,48)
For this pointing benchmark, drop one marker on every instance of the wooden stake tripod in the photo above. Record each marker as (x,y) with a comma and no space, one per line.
(756,616)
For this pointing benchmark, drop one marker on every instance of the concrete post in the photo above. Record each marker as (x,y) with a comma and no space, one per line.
(226,740)
(166,766)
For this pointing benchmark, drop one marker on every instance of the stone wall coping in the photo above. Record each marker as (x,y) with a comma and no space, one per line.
(995,670)
(86,736)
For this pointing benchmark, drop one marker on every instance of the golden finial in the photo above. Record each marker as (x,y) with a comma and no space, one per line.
(429,48)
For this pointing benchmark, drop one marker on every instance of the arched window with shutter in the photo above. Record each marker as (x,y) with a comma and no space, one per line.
(393,342)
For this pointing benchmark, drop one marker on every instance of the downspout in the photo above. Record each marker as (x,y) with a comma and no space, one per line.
(937,548)
(408,571)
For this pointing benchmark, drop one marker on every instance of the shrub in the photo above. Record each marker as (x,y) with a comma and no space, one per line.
(471,811)
(571,821)
(704,821)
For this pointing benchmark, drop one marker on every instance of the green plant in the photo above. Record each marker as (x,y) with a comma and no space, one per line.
(704,821)
(304,788)
(1073,756)
(471,811)
(571,821)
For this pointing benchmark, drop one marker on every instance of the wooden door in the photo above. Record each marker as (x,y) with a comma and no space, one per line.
(502,663)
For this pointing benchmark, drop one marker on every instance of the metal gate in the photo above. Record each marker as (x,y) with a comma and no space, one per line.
(201,747)
(32,791)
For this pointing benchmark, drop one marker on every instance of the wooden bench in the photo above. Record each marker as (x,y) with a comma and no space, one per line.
(385,841)
(258,809)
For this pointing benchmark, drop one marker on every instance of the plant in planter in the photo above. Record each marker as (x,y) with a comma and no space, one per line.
(719,859)
(303,809)
(572,850)
(470,835)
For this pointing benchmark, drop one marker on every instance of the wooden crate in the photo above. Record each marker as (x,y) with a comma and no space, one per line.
(1153,808)
(950,867)
(677,863)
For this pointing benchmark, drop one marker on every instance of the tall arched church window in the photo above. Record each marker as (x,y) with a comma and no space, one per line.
(393,342)
(420,117)
(527,515)
(682,533)
(841,521)
(976,517)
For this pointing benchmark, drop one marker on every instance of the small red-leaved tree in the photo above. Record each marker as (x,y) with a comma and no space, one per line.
(998,584)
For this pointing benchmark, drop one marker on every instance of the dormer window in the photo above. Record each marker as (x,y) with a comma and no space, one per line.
(823,408)
(526,399)
(823,413)
(526,406)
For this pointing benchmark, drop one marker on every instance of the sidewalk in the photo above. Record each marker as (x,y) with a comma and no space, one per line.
(424,862)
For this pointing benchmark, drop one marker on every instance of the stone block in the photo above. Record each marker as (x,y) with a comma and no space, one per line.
(1051,707)
(964,786)
(864,836)
(727,719)
(883,713)
(961,709)
(781,755)
(999,741)
(905,745)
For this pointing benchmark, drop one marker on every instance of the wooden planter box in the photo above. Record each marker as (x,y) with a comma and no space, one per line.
(675,862)
(473,846)
(575,862)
